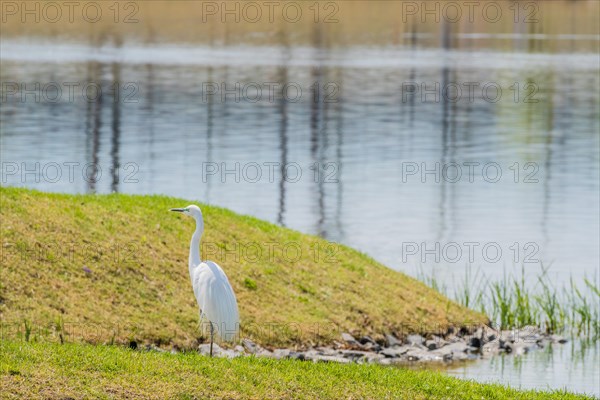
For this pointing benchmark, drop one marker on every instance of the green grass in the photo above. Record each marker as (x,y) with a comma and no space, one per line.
(50,370)
(567,308)
(113,268)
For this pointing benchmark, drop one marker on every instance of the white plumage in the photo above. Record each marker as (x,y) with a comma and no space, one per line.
(213,292)
(216,299)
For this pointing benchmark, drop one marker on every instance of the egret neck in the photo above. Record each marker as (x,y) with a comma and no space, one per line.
(194,259)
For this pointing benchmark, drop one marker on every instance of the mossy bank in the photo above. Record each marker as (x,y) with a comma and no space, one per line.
(113,269)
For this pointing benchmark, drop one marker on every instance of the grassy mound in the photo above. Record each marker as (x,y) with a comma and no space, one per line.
(46,370)
(113,268)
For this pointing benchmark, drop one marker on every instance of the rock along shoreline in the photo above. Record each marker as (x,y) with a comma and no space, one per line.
(455,346)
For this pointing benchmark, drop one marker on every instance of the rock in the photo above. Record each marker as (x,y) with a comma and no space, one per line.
(395,351)
(310,354)
(371,346)
(557,339)
(297,355)
(327,351)
(463,331)
(264,353)
(281,353)
(239,349)
(367,339)
(218,351)
(491,347)
(415,340)
(438,339)
(478,333)
(456,351)
(528,334)
(416,354)
(489,335)
(507,336)
(204,349)
(255,349)
(392,340)
(431,344)
(456,347)
(517,348)
(530,329)
(354,355)
(423,355)
(452,339)
(435,349)
(474,341)
(338,345)
(349,339)
(250,346)
(503,343)
(374,357)
(435,342)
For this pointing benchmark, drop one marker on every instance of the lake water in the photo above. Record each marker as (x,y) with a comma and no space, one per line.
(428,145)
(570,366)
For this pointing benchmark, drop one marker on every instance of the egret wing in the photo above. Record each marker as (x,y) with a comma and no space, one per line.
(216,299)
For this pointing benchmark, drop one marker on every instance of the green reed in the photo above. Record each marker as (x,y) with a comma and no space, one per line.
(512,302)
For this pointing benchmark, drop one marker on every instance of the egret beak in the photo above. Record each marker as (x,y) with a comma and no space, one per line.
(177,209)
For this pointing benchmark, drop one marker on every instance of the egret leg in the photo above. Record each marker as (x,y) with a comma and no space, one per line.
(211,338)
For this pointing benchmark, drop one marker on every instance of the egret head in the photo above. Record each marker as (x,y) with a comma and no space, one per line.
(191,210)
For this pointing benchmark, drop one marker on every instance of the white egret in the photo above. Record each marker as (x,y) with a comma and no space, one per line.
(211,287)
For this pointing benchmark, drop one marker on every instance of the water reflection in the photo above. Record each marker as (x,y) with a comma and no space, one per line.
(553,367)
(94,123)
(116,128)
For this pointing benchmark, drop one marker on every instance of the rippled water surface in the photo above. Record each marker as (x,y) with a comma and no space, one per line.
(430,146)
(555,367)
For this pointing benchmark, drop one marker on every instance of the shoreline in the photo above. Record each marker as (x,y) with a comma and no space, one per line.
(457,346)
